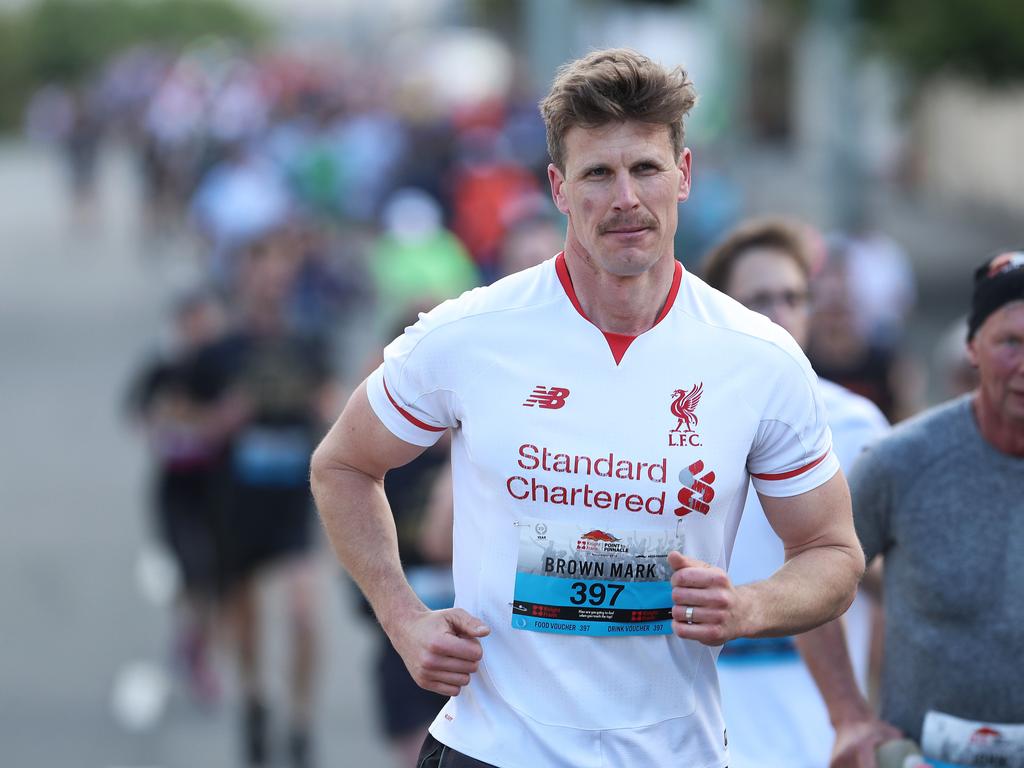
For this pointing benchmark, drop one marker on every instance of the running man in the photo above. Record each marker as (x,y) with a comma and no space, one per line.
(941,500)
(776,716)
(592,519)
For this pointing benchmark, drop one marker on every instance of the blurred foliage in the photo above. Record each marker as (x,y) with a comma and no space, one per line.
(676,3)
(67,40)
(14,82)
(978,38)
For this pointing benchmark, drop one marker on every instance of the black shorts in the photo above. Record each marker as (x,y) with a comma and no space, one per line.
(264,525)
(404,707)
(436,755)
(187,519)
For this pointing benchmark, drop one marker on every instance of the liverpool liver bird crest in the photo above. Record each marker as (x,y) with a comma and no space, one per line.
(684,405)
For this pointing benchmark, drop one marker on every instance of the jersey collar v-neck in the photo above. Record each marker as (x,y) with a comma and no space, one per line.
(617,342)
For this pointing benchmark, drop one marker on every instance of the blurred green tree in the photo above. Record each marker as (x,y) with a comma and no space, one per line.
(977,38)
(980,39)
(67,40)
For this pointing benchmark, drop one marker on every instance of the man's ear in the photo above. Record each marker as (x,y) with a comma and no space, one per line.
(557,182)
(684,174)
(972,352)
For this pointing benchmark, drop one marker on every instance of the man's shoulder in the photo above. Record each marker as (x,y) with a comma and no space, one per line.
(729,322)
(846,408)
(525,290)
(927,434)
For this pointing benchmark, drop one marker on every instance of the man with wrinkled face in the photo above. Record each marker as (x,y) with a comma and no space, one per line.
(942,499)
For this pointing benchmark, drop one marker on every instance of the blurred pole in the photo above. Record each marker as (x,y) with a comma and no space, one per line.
(844,178)
(549,27)
(730,20)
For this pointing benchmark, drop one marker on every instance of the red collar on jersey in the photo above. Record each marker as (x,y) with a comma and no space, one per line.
(617,342)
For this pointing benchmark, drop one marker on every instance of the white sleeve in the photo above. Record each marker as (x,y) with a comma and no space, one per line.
(412,391)
(792,451)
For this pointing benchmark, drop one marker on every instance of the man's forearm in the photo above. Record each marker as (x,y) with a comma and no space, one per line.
(825,654)
(361,529)
(814,586)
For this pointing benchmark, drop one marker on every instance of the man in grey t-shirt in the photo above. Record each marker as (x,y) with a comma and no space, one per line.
(942,499)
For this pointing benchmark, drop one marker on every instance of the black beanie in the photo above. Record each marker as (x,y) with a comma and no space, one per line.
(998,281)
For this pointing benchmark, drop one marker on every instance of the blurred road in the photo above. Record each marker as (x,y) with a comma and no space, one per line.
(78,310)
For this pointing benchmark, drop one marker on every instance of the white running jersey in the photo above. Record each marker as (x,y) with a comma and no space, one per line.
(555,420)
(775,714)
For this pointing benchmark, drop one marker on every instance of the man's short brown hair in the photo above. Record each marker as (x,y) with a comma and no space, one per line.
(615,85)
(765,232)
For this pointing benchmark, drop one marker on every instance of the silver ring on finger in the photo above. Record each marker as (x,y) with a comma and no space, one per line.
(688,615)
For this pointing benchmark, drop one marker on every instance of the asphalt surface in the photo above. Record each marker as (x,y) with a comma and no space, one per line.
(85,678)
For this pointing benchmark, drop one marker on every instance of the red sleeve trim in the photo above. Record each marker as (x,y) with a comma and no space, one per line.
(793,472)
(412,419)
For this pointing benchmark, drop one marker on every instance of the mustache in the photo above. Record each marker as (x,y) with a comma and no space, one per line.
(627,222)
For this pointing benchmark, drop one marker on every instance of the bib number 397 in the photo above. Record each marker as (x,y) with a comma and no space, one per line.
(596,593)
(573,580)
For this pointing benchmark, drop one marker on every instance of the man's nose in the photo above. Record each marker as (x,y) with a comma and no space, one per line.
(625,193)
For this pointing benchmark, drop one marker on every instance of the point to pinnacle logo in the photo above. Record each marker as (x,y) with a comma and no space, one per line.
(547,397)
(986,735)
(599,541)
(684,407)
(598,535)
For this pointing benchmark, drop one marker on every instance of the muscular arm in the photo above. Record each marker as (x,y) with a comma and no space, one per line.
(858,731)
(823,564)
(439,647)
(817,582)
(348,471)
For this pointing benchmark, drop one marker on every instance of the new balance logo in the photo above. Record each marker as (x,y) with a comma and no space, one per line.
(547,397)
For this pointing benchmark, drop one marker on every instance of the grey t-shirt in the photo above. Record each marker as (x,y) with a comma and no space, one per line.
(946,509)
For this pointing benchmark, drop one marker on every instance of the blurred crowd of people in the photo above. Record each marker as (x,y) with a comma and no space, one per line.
(330,202)
(327,207)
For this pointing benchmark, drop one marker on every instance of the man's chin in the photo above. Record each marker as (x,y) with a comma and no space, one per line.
(628,262)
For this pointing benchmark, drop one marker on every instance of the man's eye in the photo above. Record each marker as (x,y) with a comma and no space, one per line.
(598,172)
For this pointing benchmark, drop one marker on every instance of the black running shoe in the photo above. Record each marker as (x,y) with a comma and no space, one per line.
(300,751)
(254,730)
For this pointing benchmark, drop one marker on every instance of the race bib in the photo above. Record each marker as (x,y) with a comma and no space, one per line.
(433,584)
(273,456)
(593,581)
(969,743)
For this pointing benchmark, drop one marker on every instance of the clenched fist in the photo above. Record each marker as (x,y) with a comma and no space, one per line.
(705,605)
(441,649)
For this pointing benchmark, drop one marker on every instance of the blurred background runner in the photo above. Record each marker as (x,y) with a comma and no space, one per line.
(174,412)
(775,715)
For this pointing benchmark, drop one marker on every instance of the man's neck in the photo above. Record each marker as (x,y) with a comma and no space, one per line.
(626,305)
(1005,436)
